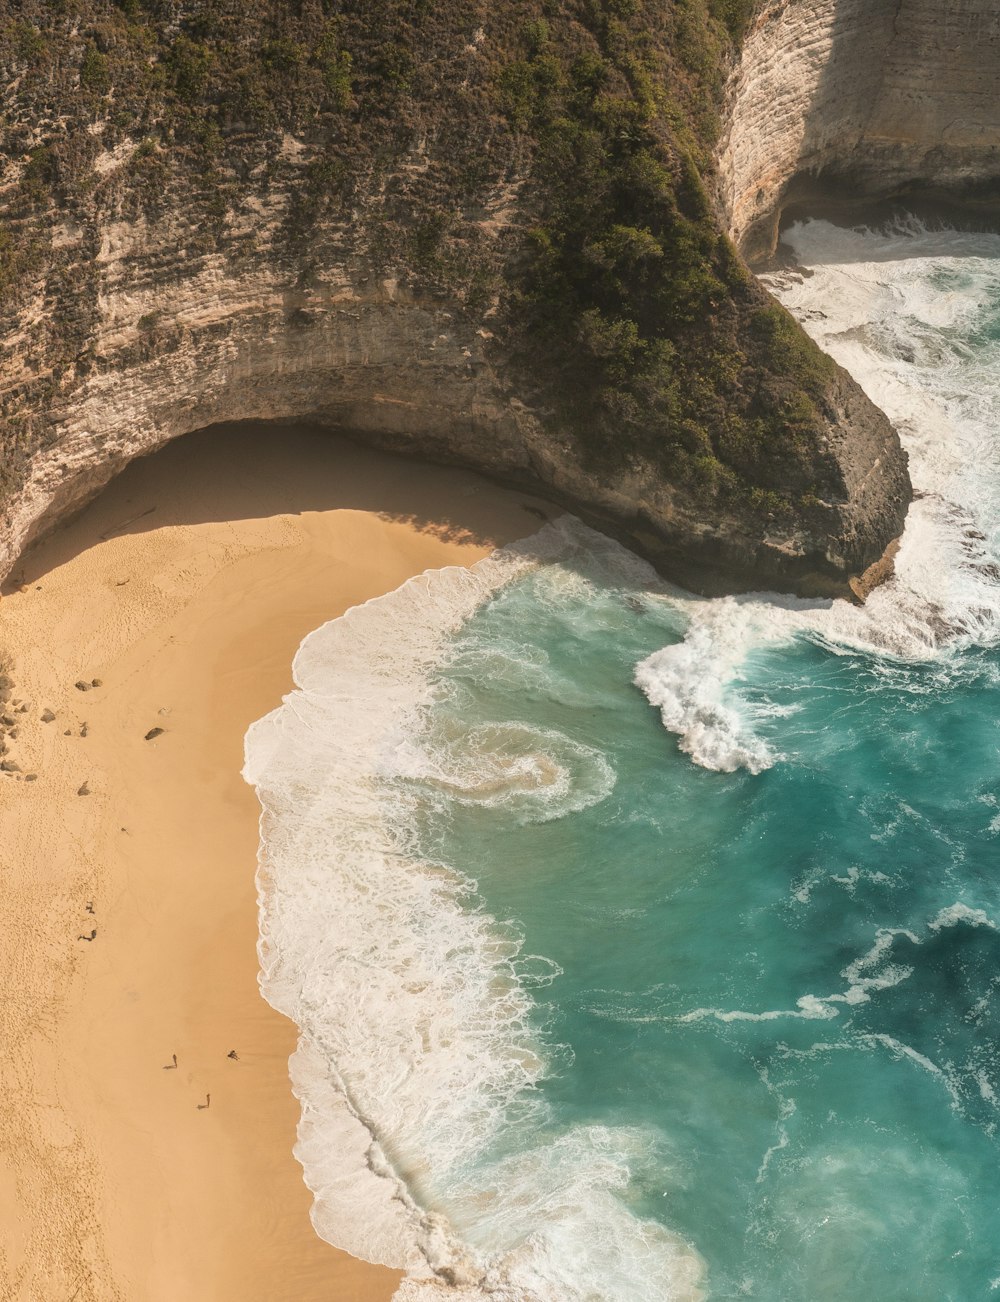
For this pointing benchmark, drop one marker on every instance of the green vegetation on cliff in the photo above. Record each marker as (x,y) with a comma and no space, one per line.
(658,344)
(617,306)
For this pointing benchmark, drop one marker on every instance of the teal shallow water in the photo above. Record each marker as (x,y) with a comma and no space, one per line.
(804,1157)
(785,979)
(643,944)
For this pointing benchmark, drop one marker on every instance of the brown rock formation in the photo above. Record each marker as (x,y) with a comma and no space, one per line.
(868,99)
(192,241)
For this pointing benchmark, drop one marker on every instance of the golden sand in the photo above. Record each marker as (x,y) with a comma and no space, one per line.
(185,589)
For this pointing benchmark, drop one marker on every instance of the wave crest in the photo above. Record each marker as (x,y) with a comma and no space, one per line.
(418,1053)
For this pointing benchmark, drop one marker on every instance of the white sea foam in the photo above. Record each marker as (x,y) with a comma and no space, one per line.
(807,1006)
(537,774)
(417,1053)
(867,975)
(956,913)
(417,1047)
(694,683)
(575,1241)
(910,314)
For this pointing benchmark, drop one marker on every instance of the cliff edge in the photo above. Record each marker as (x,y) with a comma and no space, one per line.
(492,235)
(865,99)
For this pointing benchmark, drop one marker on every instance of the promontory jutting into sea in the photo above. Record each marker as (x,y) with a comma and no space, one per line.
(500,651)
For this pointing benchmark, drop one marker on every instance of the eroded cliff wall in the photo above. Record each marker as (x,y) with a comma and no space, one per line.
(478,233)
(878,98)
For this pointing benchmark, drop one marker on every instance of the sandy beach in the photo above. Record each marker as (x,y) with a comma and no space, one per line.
(184,590)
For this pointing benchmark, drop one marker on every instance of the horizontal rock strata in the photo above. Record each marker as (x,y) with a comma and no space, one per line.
(878,98)
(180,251)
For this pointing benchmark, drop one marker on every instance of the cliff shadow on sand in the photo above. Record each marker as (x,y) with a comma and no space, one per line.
(258,470)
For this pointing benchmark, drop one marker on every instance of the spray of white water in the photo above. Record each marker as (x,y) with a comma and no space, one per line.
(418,1055)
(912,315)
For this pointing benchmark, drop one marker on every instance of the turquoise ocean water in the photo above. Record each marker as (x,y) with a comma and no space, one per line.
(723,884)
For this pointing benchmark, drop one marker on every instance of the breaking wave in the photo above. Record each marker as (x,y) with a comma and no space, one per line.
(419,1051)
(911,313)
(425,1135)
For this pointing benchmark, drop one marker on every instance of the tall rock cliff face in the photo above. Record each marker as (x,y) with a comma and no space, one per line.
(483,234)
(874,98)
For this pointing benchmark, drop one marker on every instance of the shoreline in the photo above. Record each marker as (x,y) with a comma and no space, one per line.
(185,588)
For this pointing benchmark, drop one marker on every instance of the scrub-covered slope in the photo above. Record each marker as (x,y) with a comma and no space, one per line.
(481,233)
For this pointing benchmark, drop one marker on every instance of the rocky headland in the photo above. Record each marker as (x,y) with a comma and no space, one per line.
(498,236)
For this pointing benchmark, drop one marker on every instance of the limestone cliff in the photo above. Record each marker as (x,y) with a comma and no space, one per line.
(864,98)
(479,233)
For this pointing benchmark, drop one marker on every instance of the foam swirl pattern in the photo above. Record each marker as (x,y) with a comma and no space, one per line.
(583,1019)
(418,1057)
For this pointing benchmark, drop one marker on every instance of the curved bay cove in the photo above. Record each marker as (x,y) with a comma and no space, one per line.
(728,991)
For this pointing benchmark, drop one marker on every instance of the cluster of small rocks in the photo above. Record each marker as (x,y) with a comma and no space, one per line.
(11,708)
